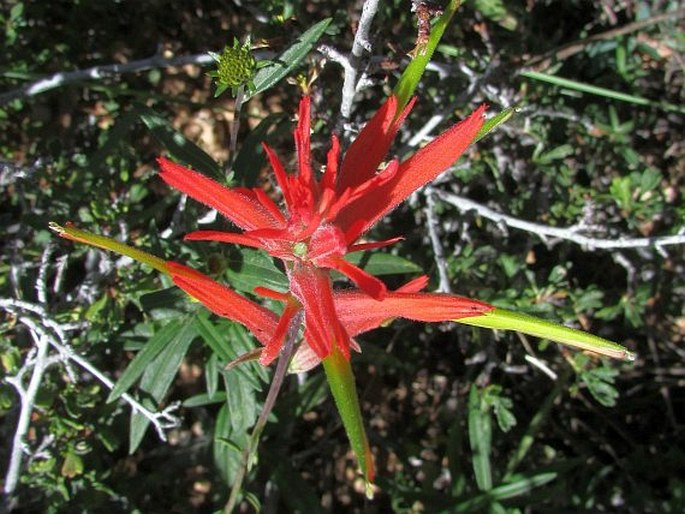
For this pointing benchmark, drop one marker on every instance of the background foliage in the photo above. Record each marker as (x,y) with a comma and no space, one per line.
(461,420)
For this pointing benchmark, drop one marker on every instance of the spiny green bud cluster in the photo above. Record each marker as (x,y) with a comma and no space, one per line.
(236,67)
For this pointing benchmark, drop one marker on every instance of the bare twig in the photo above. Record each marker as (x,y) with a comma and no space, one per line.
(544,61)
(551,235)
(41,285)
(360,43)
(61,79)
(439,254)
(39,362)
(541,365)
(48,333)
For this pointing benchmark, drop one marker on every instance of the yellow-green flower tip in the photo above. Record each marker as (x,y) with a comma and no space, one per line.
(341,382)
(107,243)
(369,490)
(502,319)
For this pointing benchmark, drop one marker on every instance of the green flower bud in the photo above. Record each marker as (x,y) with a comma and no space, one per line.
(236,67)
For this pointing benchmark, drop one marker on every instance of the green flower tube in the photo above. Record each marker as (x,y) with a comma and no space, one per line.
(341,381)
(502,319)
(106,243)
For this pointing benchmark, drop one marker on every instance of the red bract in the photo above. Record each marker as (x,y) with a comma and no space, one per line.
(323,217)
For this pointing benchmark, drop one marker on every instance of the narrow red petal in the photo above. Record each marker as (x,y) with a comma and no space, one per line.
(371,145)
(225,302)
(269,205)
(281,176)
(331,174)
(271,293)
(359,312)
(414,286)
(374,245)
(312,288)
(365,281)
(223,237)
(274,346)
(350,196)
(415,172)
(302,142)
(241,208)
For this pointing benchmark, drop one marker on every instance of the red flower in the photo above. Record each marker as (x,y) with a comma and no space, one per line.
(324,217)
(350,312)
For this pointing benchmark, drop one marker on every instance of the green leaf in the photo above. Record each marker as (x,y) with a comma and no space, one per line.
(497,11)
(600,91)
(412,74)
(251,158)
(144,358)
(559,152)
(201,400)
(492,396)
(159,375)
(269,75)
(308,395)
(480,437)
(492,123)
(167,300)
(249,268)
(212,374)
(502,319)
(227,446)
(227,343)
(179,147)
(599,381)
(241,401)
(382,263)
(521,484)
(73,465)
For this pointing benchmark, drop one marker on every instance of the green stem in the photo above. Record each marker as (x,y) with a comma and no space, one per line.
(274,389)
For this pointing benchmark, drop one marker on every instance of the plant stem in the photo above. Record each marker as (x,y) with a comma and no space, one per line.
(234,126)
(274,389)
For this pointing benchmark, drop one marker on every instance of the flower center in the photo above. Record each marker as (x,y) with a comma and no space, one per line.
(300,249)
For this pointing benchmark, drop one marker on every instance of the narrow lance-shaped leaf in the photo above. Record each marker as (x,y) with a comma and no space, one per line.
(341,381)
(502,319)
(178,146)
(480,437)
(492,123)
(600,91)
(158,377)
(284,63)
(412,74)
